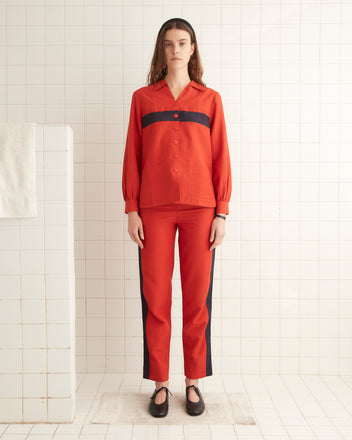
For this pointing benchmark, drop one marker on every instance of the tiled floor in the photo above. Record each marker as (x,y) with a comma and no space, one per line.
(285,408)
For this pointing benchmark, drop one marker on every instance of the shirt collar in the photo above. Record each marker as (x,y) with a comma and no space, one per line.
(161,83)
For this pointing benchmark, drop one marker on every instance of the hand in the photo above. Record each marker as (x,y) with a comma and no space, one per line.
(135,227)
(217,231)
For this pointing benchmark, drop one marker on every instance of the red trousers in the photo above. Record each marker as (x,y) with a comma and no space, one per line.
(156,264)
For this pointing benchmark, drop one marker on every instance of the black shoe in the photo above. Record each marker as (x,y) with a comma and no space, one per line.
(159,409)
(194,408)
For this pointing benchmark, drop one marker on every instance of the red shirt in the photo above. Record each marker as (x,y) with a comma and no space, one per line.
(176,150)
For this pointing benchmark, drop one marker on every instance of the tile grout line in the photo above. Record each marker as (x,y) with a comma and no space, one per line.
(106,302)
(319,194)
(299,296)
(339,296)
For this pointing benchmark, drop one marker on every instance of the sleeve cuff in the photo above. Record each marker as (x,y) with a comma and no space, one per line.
(222,207)
(131,205)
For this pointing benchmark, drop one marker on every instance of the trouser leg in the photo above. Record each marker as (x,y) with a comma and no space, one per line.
(156,263)
(196,268)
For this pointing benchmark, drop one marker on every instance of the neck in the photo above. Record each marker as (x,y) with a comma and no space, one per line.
(177,78)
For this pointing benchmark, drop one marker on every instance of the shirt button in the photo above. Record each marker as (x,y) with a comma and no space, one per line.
(175,170)
(176,155)
(175,128)
(175,141)
(175,115)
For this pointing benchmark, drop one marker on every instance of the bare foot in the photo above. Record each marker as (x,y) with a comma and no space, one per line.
(161,396)
(192,395)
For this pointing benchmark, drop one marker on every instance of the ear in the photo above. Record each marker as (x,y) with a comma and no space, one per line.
(193,47)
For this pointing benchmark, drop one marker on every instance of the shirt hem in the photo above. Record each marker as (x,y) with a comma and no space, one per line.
(207,203)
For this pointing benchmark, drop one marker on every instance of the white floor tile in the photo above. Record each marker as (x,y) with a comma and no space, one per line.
(69,429)
(18,428)
(13,436)
(39,437)
(93,429)
(170,431)
(44,428)
(66,437)
(120,431)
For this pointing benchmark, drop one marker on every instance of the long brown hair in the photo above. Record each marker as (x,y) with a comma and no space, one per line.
(158,67)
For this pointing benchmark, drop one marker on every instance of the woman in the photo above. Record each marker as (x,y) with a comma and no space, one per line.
(176,176)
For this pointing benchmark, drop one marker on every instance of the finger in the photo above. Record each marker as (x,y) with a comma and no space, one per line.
(137,240)
(213,239)
(140,244)
(212,233)
(141,232)
(216,242)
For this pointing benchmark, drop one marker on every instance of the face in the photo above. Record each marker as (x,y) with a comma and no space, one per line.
(177,48)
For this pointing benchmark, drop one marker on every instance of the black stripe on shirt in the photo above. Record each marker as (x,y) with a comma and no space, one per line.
(169,115)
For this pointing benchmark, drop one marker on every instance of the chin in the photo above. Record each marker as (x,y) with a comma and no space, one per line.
(176,66)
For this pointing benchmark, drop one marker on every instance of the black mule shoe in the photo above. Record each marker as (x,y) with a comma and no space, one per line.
(159,409)
(194,408)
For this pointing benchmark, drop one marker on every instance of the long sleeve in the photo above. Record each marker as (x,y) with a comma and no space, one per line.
(131,174)
(222,179)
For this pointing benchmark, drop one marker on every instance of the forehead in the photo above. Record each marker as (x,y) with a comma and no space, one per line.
(176,34)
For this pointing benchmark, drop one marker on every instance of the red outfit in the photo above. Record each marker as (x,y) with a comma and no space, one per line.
(177,175)
(176,150)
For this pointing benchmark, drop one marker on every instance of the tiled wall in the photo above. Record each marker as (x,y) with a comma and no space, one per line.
(37,293)
(282,299)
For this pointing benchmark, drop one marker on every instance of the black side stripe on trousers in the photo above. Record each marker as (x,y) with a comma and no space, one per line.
(146,367)
(170,115)
(209,369)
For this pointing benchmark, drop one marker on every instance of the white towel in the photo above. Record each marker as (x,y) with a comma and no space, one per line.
(17,170)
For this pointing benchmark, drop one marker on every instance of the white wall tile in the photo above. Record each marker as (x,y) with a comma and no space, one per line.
(59,360)
(56,262)
(34,336)
(10,336)
(59,385)
(35,409)
(10,287)
(32,237)
(11,409)
(9,263)
(58,311)
(57,286)
(59,336)
(11,386)
(10,361)
(10,312)
(35,385)
(33,311)
(34,361)
(9,238)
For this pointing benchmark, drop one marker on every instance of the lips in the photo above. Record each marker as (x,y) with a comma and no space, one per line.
(176,59)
